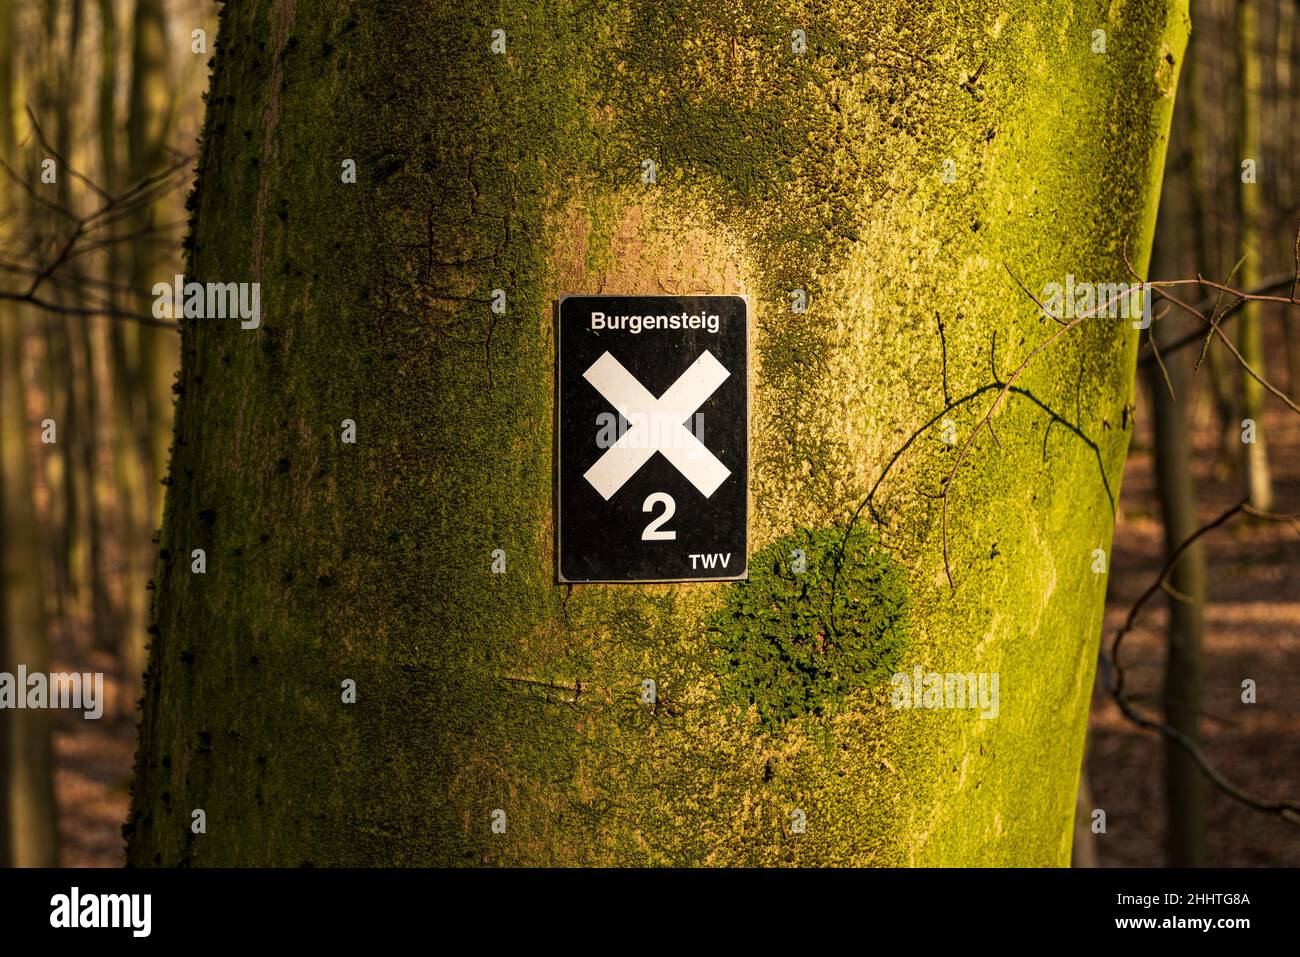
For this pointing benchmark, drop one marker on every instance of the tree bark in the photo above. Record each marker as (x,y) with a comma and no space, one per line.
(85,443)
(29,771)
(1208,240)
(7,415)
(1288,144)
(132,450)
(149,126)
(479,692)
(1250,331)
(1184,784)
(27,774)
(1083,852)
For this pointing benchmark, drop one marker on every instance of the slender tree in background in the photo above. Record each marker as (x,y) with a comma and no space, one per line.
(1207,230)
(1169,387)
(77,335)
(132,451)
(150,122)
(8,415)
(900,170)
(28,773)
(52,365)
(110,341)
(1250,333)
(1288,144)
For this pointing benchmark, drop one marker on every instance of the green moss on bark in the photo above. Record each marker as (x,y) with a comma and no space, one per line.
(823,614)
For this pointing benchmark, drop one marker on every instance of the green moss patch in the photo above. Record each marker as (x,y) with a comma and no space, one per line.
(798,637)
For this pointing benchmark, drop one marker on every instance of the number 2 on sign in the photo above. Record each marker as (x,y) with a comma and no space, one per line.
(653,532)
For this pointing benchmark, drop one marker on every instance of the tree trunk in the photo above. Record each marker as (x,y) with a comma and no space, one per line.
(131,451)
(1250,330)
(86,442)
(1288,144)
(480,693)
(27,774)
(9,417)
(1083,852)
(1184,785)
(150,123)
(1208,240)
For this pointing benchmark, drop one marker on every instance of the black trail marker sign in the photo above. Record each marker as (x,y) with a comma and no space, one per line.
(652,414)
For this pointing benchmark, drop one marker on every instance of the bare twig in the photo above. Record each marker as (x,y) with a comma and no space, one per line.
(1215,316)
(63,163)
(109,312)
(1025,289)
(37,197)
(1267,286)
(1228,343)
(1160,286)
(75,244)
(1155,351)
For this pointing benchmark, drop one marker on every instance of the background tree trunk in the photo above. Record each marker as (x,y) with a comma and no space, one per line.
(1250,332)
(150,123)
(155,354)
(1288,142)
(482,692)
(1208,241)
(27,771)
(8,416)
(1184,784)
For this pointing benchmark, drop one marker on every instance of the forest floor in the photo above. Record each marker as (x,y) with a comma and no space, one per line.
(1252,631)
(93,761)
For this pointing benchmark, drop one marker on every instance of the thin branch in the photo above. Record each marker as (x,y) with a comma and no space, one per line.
(69,278)
(1231,346)
(87,311)
(1267,286)
(37,197)
(113,209)
(961,454)
(1215,315)
(1155,351)
(1160,286)
(1025,289)
(1006,388)
(63,163)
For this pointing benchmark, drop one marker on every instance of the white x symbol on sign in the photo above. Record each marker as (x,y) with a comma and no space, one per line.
(675,442)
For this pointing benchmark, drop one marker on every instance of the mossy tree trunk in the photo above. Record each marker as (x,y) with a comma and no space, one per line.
(894,170)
